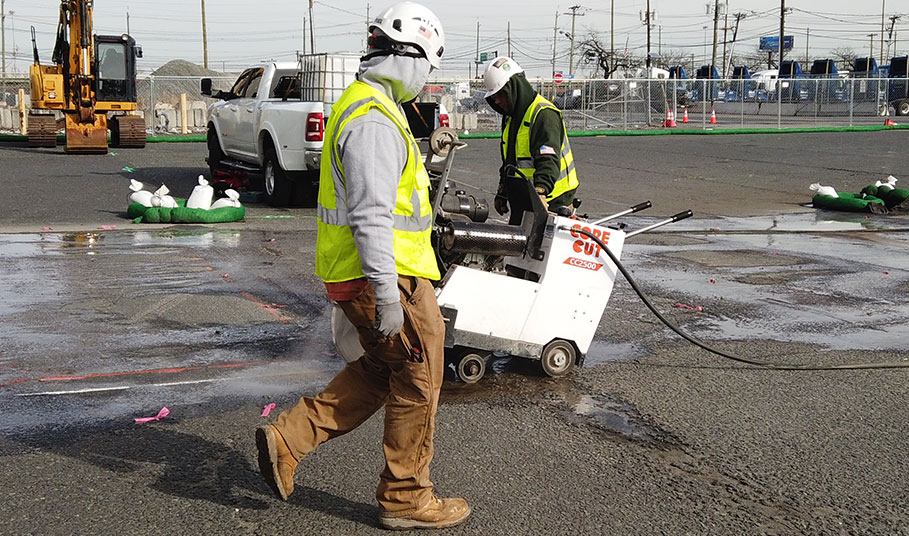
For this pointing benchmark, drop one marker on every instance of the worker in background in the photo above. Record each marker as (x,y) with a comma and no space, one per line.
(374,254)
(534,140)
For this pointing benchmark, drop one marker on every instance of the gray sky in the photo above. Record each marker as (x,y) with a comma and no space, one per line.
(244,31)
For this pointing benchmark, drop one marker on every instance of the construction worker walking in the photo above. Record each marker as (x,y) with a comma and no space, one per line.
(374,254)
(534,142)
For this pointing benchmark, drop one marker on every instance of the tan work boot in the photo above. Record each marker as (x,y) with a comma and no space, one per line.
(276,463)
(438,514)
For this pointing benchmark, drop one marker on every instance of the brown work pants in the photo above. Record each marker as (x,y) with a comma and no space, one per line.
(404,373)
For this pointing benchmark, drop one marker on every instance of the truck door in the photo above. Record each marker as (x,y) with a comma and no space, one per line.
(229,114)
(247,113)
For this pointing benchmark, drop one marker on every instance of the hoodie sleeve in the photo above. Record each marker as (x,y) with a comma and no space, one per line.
(373,154)
(546,148)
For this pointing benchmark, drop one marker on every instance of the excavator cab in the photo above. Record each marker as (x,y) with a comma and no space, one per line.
(115,68)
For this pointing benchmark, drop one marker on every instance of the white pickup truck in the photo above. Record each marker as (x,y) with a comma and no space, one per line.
(272,121)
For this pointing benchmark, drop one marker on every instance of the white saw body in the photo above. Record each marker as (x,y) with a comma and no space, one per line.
(560,297)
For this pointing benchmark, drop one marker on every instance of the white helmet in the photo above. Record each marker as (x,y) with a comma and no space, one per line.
(499,72)
(413,24)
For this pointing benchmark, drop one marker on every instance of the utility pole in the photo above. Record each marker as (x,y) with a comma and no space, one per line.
(3,32)
(574,13)
(127,22)
(735,32)
(716,23)
(312,34)
(891,36)
(660,41)
(304,36)
(871,52)
(725,37)
(782,31)
(509,39)
(555,36)
(883,4)
(612,32)
(807,37)
(476,68)
(204,38)
(647,21)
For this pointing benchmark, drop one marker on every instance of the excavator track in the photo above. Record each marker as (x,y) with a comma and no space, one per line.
(127,131)
(42,130)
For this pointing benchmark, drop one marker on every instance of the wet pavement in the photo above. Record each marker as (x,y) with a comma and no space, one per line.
(101,326)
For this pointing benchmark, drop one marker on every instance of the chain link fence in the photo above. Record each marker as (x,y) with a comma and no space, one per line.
(588,105)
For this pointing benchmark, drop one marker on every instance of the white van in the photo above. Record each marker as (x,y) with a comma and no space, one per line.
(766,79)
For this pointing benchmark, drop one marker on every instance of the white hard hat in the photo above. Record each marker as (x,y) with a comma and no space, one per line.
(413,24)
(499,72)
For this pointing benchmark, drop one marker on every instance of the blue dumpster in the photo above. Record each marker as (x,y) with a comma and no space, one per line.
(790,82)
(827,82)
(680,84)
(741,86)
(865,80)
(710,76)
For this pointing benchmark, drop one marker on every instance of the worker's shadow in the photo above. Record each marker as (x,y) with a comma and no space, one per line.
(191,467)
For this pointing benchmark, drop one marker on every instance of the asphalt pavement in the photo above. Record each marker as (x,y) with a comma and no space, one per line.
(103,321)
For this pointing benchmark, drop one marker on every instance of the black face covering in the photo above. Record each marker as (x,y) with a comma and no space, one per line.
(383,46)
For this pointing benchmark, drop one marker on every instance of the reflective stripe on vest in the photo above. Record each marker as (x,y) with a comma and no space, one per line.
(337,258)
(568,177)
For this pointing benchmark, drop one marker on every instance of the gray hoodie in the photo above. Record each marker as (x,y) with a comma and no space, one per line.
(373,155)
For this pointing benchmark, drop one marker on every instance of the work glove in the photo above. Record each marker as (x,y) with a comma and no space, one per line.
(542,194)
(389,318)
(501,201)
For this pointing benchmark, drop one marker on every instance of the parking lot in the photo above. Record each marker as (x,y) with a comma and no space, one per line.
(103,320)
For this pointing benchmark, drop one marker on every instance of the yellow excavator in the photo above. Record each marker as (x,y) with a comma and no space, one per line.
(92,76)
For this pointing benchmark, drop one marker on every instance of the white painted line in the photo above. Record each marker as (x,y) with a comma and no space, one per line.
(164,384)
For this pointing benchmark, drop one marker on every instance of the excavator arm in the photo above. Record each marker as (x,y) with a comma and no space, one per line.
(72,86)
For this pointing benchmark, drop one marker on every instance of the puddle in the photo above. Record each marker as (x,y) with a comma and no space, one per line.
(602,352)
(815,221)
(620,418)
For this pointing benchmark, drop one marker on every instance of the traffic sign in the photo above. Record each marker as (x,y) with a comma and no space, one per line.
(557,77)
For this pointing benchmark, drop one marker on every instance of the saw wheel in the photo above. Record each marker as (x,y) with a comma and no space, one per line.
(441,140)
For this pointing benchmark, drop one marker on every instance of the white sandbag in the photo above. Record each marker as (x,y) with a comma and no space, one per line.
(201,196)
(232,199)
(345,335)
(139,195)
(891,181)
(824,190)
(161,199)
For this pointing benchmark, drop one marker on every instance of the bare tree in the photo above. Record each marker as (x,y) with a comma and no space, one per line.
(845,56)
(596,53)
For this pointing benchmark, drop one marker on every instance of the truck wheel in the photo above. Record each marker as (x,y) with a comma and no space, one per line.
(557,358)
(278,188)
(215,154)
(902,107)
(471,368)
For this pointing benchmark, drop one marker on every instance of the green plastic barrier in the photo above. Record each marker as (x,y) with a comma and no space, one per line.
(141,214)
(894,198)
(848,202)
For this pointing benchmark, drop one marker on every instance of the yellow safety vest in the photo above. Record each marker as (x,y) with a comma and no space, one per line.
(568,177)
(337,258)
